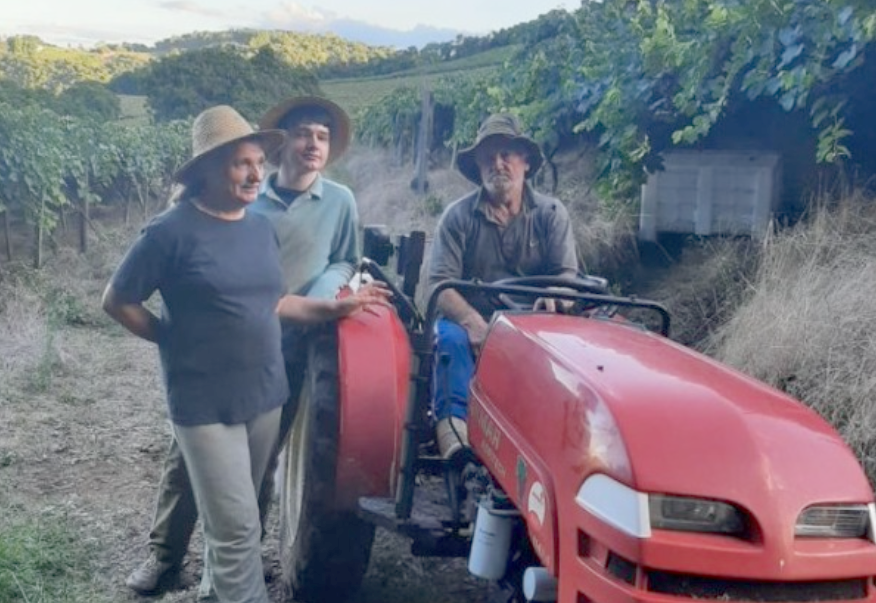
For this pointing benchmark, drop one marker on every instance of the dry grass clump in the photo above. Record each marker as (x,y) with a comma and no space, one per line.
(808,327)
(384,194)
(36,304)
(703,289)
(606,239)
(22,327)
(604,232)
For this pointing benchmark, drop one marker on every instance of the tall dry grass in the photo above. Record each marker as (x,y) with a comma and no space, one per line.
(35,305)
(809,325)
(384,194)
(703,288)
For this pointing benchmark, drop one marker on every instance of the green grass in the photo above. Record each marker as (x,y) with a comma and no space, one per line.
(134,110)
(356,94)
(43,559)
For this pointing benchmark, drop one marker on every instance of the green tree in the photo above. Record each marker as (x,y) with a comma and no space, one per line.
(90,100)
(182,85)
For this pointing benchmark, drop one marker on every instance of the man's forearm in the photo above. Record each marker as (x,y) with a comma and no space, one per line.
(329,282)
(454,307)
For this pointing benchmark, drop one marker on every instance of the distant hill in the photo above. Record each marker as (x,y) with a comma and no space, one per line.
(355,74)
(355,94)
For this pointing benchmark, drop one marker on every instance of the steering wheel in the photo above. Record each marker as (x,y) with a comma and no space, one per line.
(582,284)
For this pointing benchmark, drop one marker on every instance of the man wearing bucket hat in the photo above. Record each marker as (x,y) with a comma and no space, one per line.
(176,512)
(502,229)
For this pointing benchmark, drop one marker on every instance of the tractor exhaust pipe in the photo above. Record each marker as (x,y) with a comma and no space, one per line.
(539,585)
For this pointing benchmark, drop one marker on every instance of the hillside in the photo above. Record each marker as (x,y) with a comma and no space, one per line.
(358,94)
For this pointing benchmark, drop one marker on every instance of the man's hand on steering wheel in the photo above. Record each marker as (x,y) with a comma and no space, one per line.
(553,305)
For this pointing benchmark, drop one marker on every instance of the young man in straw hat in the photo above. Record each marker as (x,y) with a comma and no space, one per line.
(316,223)
(500,230)
(217,268)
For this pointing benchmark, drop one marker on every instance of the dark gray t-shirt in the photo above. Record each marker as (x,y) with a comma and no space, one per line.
(220,282)
(468,244)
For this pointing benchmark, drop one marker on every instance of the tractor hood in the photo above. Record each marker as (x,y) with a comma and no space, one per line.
(605,396)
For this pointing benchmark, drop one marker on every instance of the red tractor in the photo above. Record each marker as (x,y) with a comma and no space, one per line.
(608,464)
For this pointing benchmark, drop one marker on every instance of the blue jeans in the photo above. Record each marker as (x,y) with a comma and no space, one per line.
(453,370)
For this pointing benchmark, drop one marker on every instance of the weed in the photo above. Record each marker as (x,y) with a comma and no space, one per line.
(43,559)
(65,308)
(433,205)
(7,458)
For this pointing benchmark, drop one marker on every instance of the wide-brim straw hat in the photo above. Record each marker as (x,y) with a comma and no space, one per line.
(504,125)
(219,127)
(340,129)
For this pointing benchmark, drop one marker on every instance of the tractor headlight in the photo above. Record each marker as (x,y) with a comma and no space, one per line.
(834,521)
(694,515)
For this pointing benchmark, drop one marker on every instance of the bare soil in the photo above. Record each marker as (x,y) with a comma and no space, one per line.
(93,443)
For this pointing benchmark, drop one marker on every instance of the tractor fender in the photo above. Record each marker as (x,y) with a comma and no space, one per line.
(374,359)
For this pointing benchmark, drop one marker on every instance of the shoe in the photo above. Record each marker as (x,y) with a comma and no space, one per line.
(152,576)
(452,436)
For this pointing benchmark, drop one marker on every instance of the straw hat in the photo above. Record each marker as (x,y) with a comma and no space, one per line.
(340,129)
(504,125)
(218,127)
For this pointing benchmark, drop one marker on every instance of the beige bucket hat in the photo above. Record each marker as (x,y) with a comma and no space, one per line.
(340,129)
(218,127)
(505,125)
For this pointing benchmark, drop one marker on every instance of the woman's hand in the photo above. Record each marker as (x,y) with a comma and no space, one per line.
(305,310)
(370,294)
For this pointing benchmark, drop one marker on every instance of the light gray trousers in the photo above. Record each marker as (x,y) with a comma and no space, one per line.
(226,464)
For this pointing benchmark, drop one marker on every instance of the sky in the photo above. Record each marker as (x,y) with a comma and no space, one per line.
(86,22)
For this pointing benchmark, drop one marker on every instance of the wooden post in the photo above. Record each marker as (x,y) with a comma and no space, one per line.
(38,248)
(83,225)
(423,141)
(7,230)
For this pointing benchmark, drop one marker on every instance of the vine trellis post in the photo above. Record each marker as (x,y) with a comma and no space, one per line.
(422,157)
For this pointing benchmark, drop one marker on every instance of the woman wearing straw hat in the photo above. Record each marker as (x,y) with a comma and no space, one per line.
(218,271)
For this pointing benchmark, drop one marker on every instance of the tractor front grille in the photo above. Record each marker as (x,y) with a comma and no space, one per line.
(700,587)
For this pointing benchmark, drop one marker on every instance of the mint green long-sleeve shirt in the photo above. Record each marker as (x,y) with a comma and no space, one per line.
(318,235)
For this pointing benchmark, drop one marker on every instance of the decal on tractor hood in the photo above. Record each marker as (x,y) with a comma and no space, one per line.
(536,503)
(521,479)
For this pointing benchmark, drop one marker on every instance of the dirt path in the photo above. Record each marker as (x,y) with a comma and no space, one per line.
(90,444)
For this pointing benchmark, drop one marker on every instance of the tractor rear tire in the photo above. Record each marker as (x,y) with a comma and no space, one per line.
(324,551)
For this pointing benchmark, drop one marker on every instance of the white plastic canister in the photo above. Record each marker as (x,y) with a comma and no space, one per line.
(491,542)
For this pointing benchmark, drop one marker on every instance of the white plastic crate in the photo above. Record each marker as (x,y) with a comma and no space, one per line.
(711,193)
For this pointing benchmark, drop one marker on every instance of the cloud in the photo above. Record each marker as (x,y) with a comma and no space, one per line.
(359,31)
(187,6)
(291,16)
(288,14)
(63,35)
